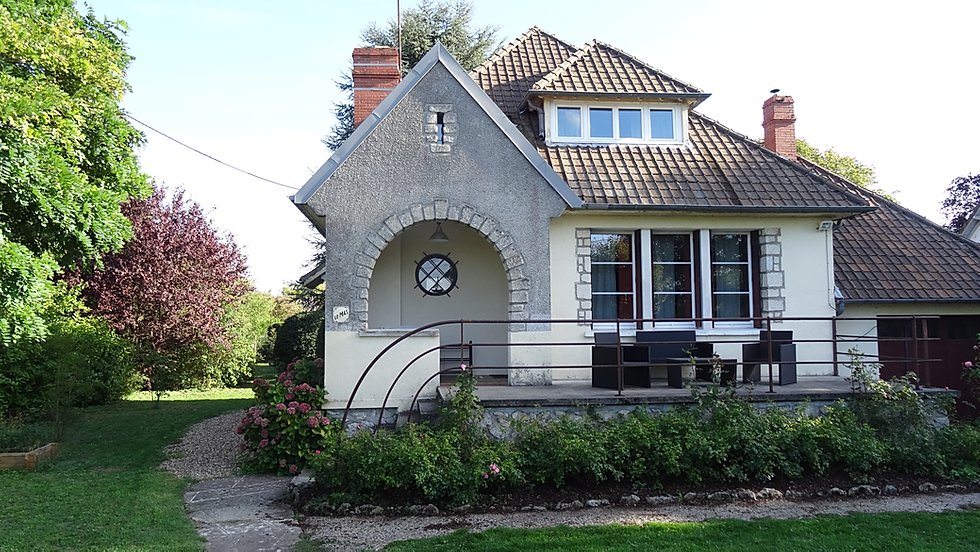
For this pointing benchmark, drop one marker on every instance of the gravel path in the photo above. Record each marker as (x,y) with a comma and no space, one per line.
(209,449)
(358,533)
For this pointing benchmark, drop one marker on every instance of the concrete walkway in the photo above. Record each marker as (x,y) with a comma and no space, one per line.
(243,513)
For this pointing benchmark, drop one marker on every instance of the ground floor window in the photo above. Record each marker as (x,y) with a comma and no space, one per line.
(676,278)
(613,276)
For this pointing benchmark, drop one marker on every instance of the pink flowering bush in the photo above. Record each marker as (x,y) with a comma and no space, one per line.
(286,429)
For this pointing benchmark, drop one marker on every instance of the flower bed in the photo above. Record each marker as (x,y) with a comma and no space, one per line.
(27,460)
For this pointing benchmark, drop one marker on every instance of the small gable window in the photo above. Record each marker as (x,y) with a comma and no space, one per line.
(607,123)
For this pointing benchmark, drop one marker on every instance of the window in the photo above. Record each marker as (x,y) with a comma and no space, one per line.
(609,123)
(673,276)
(676,278)
(600,122)
(730,283)
(630,123)
(612,276)
(570,122)
(662,124)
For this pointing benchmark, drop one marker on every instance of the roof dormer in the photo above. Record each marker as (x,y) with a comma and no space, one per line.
(601,95)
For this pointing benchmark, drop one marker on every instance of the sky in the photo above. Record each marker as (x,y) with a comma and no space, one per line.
(252,83)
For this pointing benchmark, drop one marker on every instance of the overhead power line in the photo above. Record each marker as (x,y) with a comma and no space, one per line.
(211,157)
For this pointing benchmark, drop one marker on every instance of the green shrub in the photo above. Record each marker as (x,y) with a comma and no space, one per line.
(16,436)
(286,430)
(564,451)
(299,336)
(81,362)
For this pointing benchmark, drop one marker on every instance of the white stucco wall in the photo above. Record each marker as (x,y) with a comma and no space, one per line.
(349,354)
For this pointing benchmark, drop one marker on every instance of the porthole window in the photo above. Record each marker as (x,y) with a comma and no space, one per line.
(436,274)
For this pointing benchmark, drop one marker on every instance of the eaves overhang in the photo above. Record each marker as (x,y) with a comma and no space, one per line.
(732,209)
(437,55)
(693,100)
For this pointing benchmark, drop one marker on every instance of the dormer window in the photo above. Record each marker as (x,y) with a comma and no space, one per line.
(607,123)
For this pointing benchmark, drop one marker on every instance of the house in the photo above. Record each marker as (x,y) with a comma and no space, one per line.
(564,190)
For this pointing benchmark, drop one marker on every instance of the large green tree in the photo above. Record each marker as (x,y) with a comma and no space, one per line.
(962,199)
(67,158)
(451,23)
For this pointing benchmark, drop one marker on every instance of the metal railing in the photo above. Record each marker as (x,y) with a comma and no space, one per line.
(916,344)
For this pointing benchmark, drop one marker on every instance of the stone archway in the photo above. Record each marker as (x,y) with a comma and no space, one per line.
(518,281)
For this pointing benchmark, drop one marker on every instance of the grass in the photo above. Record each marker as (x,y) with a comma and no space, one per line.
(105,492)
(947,532)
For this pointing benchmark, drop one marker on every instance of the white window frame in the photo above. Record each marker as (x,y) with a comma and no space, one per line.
(700,270)
(634,253)
(709,304)
(551,123)
(648,279)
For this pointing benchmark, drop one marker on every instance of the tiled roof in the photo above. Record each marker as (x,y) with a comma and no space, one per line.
(720,169)
(894,254)
(717,169)
(513,69)
(600,68)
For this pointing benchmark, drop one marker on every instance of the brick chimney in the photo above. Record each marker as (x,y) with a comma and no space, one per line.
(778,121)
(377,71)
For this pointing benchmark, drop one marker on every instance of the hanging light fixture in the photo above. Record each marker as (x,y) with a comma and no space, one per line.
(439,236)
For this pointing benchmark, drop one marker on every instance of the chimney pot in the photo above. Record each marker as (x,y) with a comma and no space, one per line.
(779,124)
(377,71)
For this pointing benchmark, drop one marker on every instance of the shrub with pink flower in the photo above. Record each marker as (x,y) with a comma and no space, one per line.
(286,429)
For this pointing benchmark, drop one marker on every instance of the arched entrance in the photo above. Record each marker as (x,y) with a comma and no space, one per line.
(460,278)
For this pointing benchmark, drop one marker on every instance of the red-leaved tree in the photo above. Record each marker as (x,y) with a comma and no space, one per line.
(167,289)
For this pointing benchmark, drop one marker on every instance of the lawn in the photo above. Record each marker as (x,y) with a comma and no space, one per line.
(104,492)
(945,532)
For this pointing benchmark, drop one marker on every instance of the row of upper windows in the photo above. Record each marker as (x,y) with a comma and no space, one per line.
(602,123)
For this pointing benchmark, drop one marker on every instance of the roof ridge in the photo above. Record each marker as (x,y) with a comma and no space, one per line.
(882,200)
(647,65)
(795,165)
(565,65)
(499,53)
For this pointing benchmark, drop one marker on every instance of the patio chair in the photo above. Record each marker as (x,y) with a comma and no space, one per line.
(756,355)
(636,370)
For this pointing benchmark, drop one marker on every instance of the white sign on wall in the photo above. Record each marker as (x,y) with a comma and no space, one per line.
(341,314)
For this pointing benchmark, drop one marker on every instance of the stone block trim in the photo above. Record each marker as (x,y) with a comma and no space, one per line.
(583,287)
(518,282)
(439,142)
(771,277)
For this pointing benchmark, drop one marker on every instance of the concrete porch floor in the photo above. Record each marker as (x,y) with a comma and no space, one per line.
(581,393)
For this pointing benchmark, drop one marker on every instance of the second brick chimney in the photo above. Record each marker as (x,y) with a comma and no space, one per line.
(377,71)
(778,121)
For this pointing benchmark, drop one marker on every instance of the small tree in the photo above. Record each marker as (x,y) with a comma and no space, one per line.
(962,199)
(168,289)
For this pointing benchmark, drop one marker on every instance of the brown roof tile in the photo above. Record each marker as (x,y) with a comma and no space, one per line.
(720,168)
(894,254)
(511,71)
(600,68)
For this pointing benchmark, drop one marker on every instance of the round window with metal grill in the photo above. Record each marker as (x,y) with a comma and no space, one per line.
(436,274)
